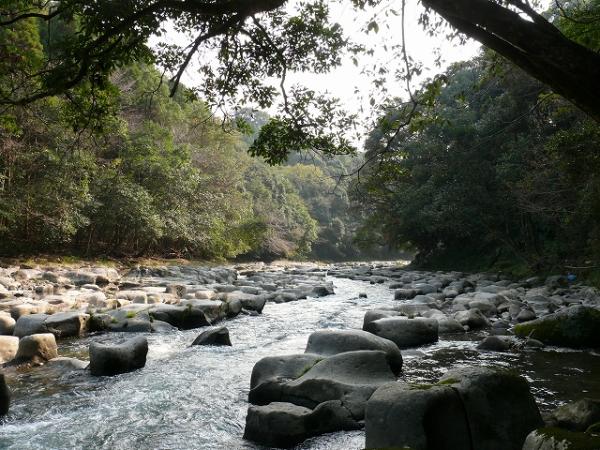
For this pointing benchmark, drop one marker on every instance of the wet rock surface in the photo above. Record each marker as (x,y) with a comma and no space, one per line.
(275,310)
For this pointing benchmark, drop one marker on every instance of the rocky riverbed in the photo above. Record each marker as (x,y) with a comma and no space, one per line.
(384,326)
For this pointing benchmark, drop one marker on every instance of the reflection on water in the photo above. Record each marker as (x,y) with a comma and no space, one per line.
(195,398)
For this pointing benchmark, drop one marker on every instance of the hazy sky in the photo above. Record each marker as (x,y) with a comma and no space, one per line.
(344,81)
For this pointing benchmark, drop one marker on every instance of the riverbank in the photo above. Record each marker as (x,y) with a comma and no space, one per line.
(280,306)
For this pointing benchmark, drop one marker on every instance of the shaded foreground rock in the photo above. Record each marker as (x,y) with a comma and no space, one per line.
(116,359)
(471,408)
(405,332)
(214,336)
(576,327)
(332,342)
(285,424)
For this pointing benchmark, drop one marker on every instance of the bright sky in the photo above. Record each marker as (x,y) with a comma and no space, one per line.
(345,81)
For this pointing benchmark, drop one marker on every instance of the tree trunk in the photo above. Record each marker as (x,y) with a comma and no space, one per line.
(535,45)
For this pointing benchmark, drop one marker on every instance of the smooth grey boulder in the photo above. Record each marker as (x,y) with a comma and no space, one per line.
(284,425)
(473,318)
(182,317)
(233,307)
(30,324)
(470,408)
(404,294)
(376,314)
(576,327)
(449,325)
(213,310)
(405,333)
(579,415)
(332,342)
(65,364)
(36,349)
(281,368)
(322,290)
(494,344)
(214,336)
(254,303)
(8,348)
(67,324)
(499,405)
(416,417)
(4,396)
(350,377)
(158,326)
(109,359)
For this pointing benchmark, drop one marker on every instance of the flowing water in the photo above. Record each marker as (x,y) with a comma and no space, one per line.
(195,397)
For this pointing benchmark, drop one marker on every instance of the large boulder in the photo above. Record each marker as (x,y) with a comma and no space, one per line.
(182,317)
(284,425)
(579,415)
(214,336)
(115,359)
(36,349)
(67,324)
(8,348)
(499,406)
(214,310)
(576,327)
(472,318)
(405,332)
(471,408)
(350,377)
(332,342)
(281,369)
(416,417)
(560,439)
(4,396)
(30,324)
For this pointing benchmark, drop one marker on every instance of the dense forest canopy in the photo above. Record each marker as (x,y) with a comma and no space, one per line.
(105,151)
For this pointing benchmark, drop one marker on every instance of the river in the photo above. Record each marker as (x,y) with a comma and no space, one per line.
(196,397)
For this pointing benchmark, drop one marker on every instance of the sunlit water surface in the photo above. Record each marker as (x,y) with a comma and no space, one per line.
(196,398)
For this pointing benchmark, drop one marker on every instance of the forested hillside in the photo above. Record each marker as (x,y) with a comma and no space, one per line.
(126,170)
(498,172)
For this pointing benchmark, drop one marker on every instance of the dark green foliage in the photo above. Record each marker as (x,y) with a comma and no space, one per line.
(496,173)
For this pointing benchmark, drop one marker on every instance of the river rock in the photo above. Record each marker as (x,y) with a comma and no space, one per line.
(560,439)
(4,396)
(30,324)
(471,408)
(8,348)
(332,342)
(404,294)
(449,325)
(350,377)
(495,344)
(214,310)
(405,332)
(376,314)
(416,417)
(7,324)
(214,336)
(36,348)
(280,368)
(284,425)
(182,317)
(576,327)
(67,324)
(473,318)
(579,415)
(158,326)
(112,359)
(499,405)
